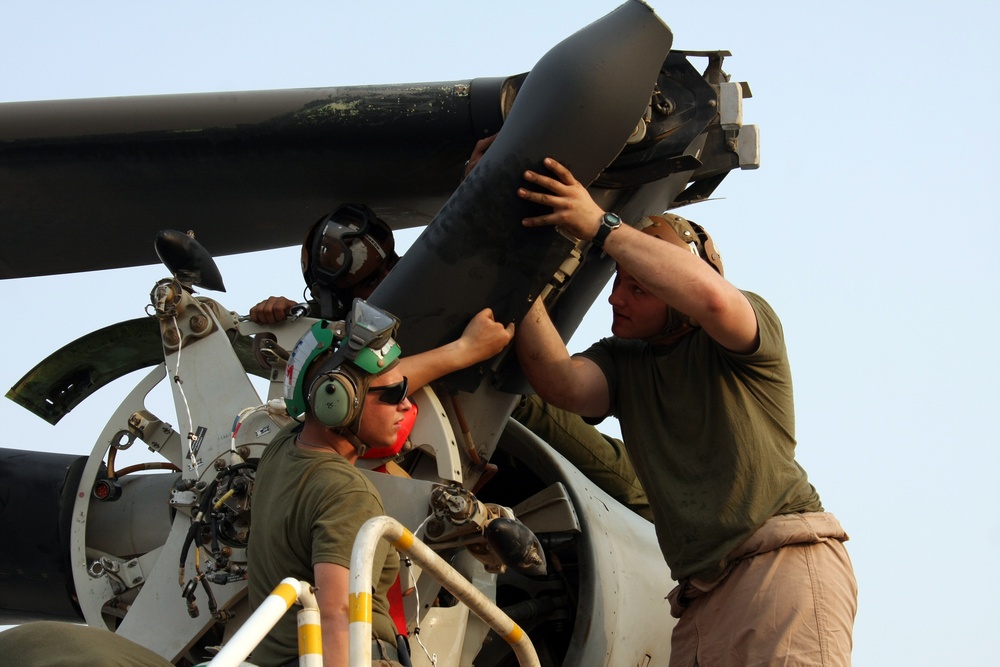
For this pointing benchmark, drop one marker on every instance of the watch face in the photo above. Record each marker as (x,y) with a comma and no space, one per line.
(609,221)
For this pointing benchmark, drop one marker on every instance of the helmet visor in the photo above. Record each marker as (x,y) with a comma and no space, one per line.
(351,245)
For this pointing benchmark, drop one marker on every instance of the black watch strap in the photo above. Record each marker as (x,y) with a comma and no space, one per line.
(609,223)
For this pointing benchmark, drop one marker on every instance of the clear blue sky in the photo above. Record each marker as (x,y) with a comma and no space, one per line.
(870,227)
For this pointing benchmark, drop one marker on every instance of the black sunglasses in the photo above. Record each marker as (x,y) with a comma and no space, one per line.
(392,394)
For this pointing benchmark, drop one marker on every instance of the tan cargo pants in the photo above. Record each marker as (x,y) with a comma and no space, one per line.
(789,598)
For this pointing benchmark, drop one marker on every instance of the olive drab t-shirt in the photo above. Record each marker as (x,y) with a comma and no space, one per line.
(66,644)
(307,508)
(711,434)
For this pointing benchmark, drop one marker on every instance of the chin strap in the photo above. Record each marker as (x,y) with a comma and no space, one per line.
(331,307)
(359,446)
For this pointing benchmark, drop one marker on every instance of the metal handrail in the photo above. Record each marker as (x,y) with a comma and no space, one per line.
(289,590)
(267,615)
(360,600)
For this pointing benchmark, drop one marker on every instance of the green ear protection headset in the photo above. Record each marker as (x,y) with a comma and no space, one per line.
(335,396)
(363,347)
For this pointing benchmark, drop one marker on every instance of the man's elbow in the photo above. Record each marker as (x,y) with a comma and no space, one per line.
(574,394)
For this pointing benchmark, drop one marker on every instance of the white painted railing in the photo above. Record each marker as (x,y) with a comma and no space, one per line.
(264,618)
(362,556)
(360,602)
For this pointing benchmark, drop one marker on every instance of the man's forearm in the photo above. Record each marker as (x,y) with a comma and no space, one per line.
(571,383)
(423,368)
(482,339)
(542,353)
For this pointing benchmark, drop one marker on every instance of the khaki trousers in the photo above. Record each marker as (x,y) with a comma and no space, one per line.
(789,598)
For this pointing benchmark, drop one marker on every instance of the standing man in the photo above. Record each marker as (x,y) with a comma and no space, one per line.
(310,500)
(697,373)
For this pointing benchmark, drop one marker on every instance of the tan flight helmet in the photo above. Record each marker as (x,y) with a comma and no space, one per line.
(690,236)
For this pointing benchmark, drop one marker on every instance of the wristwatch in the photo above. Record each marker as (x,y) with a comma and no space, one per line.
(609,223)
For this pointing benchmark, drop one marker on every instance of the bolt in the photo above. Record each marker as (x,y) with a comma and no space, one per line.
(456,504)
(198,323)
(170,336)
(434,528)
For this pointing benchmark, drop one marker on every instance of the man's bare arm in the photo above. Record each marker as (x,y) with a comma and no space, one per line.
(678,278)
(571,383)
(332,590)
(482,339)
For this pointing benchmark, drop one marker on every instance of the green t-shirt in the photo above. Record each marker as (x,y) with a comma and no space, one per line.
(711,434)
(308,507)
(58,644)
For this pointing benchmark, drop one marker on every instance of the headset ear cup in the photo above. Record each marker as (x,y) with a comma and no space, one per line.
(334,399)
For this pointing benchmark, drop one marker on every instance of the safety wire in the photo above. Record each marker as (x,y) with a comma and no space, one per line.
(204,516)
(187,590)
(238,422)
(206,512)
(432,657)
(180,388)
(206,508)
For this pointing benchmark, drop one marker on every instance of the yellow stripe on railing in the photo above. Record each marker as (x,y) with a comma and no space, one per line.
(360,607)
(310,639)
(515,635)
(287,593)
(404,542)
